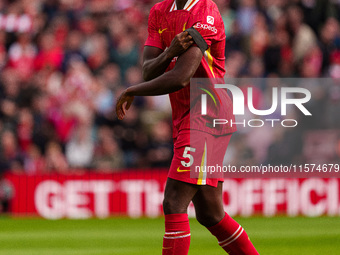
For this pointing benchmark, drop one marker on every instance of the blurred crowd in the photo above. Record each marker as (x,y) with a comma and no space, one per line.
(64,62)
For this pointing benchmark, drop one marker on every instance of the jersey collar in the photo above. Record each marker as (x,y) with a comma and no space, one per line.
(188,6)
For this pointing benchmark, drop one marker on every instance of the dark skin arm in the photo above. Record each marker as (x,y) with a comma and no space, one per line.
(156,61)
(174,80)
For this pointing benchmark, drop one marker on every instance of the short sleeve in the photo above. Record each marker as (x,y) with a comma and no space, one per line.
(210,25)
(154,37)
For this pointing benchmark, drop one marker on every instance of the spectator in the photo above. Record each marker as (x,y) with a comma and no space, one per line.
(80,148)
(50,54)
(304,37)
(55,159)
(6,193)
(34,161)
(11,156)
(246,15)
(21,56)
(108,156)
(160,150)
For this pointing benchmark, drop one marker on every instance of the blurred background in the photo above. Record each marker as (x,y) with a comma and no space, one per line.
(63,154)
(64,62)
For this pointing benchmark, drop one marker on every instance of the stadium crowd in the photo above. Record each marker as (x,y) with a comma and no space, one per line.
(63,63)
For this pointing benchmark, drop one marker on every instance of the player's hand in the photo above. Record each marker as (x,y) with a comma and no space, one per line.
(123,104)
(180,44)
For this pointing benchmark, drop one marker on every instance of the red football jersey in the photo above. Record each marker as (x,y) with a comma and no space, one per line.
(165,22)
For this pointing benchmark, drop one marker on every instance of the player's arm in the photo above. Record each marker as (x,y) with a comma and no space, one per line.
(156,61)
(169,82)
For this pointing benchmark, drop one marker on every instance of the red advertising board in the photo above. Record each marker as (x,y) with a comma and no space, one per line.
(137,194)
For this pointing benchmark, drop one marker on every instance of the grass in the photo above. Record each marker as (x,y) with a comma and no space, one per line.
(123,236)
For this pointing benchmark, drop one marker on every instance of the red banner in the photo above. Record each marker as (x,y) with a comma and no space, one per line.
(137,194)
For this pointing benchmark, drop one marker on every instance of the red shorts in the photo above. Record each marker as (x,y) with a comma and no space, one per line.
(194,153)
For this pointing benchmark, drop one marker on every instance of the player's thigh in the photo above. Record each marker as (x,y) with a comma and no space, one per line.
(177,196)
(188,152)
(208,202)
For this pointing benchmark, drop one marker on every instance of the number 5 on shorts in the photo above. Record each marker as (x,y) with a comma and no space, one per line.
(189,156)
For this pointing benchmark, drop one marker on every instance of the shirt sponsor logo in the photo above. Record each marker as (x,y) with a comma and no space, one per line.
(210,20)
(205,26)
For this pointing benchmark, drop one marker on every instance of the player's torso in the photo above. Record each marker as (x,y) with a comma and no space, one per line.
(172,22)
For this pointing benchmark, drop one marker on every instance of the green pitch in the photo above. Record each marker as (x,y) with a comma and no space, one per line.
(121,236)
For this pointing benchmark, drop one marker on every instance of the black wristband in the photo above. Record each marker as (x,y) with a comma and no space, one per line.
(198,39)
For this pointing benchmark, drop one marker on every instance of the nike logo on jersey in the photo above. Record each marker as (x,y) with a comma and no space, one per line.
(182,171)
(160,31)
